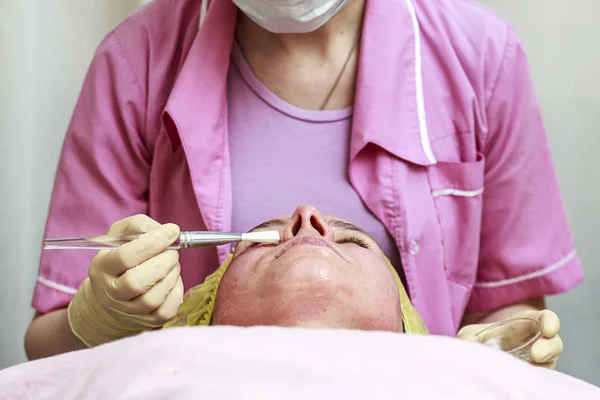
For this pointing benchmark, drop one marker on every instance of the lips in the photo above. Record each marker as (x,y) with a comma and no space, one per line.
(309,241)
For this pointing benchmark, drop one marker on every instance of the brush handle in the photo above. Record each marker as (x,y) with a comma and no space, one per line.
(103,242)
(106,242)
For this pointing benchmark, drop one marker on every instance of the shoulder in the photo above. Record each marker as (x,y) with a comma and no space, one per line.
(469,35)
(154,39)
(461,20)
(137,62)
(159,26)
(145,52)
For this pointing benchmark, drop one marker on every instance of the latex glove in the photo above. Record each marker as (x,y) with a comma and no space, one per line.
(545,351)
(129,289)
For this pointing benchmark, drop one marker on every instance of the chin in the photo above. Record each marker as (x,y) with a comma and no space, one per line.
(309,274)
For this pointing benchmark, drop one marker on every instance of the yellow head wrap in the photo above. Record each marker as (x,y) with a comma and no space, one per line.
(199,303)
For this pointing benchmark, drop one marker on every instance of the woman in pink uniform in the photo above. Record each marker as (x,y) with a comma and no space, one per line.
(416,120)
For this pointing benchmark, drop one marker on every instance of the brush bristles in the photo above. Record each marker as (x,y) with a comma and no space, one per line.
(262,237)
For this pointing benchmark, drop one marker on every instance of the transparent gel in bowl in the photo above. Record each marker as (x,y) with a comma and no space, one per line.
(514,336)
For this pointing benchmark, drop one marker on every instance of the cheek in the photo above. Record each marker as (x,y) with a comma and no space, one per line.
(378,279)
(244,264)
(238,275)
(234,289)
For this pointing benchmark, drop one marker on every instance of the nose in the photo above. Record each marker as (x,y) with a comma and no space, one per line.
(307,221)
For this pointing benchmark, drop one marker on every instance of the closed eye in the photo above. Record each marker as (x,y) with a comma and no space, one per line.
(356,240)
(350,239)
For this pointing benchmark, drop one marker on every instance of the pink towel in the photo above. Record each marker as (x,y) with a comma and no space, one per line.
(276,363)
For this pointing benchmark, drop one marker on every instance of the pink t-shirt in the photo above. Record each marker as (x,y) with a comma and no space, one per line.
(277,152)
(447,149)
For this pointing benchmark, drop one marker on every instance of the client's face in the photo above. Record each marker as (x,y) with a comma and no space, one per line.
(325,273)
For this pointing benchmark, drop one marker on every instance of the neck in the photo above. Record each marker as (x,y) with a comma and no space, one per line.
(345,25)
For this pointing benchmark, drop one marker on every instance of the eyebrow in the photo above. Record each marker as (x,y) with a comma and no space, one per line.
(333,223)
(270,224)
(345,226)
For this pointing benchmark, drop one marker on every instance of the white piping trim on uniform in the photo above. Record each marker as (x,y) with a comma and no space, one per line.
(419,86)
(56,286)
(457,192)
(529,276)
(203,11)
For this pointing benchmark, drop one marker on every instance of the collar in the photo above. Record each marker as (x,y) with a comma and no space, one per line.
(197,109)
(389,108)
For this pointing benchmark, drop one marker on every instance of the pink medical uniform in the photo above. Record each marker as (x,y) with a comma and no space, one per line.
(447,149)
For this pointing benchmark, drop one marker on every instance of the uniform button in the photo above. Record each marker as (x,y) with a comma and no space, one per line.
(414,247)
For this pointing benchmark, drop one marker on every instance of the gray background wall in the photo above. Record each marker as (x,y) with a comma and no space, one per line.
(47,46)
(45,49)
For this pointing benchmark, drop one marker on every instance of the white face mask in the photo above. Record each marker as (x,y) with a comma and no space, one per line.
(290,16)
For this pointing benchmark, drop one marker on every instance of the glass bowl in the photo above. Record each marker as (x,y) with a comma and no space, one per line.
(514,336)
